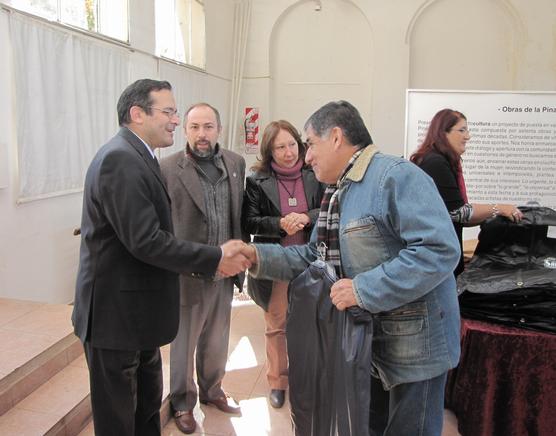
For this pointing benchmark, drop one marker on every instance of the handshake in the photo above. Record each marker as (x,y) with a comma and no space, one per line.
(237,256)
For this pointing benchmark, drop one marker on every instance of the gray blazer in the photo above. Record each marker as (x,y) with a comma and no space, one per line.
(189,214)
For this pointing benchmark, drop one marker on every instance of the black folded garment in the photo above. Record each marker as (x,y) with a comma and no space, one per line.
(329,359)
(507,281)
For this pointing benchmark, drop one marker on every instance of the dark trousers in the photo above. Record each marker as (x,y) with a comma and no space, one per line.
(126,390)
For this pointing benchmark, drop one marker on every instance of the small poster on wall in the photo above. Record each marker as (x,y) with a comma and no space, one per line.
(251,125)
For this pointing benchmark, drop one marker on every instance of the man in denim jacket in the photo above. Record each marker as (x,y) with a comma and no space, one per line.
(395,246)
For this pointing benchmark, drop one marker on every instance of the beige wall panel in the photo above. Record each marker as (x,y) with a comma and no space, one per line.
(475,45)
(317,56)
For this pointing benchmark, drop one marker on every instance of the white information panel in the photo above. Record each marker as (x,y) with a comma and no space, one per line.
(511,157)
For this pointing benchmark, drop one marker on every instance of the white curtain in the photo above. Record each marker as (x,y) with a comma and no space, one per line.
(187,87)
(67,86)
(190,87)
(5,90)
(242,19)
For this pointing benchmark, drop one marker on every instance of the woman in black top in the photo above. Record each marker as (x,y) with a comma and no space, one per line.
(440,157)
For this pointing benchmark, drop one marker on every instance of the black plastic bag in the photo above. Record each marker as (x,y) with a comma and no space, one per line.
(329,359)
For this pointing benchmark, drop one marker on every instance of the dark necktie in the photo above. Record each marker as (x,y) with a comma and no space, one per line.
(156,165)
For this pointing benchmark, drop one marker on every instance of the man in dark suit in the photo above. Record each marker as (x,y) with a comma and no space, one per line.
(205,183)
(127,291)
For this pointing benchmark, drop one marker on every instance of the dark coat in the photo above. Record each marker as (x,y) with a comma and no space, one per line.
(261,218)
(446,181)
(127,294)
(189,211)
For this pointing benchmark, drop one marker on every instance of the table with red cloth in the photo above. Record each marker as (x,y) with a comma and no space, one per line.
(505,383)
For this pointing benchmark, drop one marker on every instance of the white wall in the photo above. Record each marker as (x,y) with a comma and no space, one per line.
(38,252)
(474,45)
(321,74)
(444,44)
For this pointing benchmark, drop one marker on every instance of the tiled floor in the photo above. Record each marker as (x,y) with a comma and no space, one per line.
(37,325)
(36,414)
(27,328)
(246,382)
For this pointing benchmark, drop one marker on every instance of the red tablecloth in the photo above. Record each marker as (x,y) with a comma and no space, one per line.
(505,383)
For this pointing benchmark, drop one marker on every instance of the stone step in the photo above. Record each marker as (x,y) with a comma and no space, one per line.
(36,342)
(60,406)
(44,386)
(28,377)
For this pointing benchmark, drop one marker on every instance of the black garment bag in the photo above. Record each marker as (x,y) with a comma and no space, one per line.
(329,359)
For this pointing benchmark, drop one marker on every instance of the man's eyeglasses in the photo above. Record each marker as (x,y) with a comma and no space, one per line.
(170,113)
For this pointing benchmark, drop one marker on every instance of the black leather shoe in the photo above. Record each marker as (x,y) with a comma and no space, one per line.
(276,398)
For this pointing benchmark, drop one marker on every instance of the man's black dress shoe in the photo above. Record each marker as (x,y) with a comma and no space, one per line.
(277,397)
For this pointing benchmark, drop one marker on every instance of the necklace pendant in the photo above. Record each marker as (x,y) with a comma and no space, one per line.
(292,201)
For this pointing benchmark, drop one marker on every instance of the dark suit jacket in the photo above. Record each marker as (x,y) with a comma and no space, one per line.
(189,212)
(127,284)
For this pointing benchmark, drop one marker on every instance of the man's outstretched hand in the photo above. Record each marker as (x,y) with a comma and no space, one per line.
(233,259)
(250,253)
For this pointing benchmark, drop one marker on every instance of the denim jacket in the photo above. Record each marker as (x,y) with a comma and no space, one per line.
(398,245)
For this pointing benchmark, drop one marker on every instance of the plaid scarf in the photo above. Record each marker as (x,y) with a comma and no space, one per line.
(328,223)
